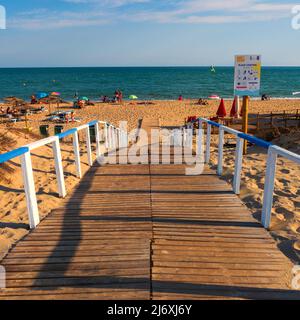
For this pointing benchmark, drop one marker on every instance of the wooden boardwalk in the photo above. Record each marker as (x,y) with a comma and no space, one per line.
(148,232)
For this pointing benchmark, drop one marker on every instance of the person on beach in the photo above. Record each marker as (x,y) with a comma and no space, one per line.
(34,99)
(264,97)
(202,102)
(180,98)
(104,99)
(120,96)
(2,111)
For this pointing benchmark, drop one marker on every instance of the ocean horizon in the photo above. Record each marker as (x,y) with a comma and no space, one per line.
(148,83)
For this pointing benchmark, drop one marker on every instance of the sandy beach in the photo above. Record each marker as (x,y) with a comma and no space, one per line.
(286,212)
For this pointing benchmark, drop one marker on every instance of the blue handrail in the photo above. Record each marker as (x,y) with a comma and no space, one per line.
(93,123)
(66,133)
(252,139)
(215,124)
(13,154)
(257,141)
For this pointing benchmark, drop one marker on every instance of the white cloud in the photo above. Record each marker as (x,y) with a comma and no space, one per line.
(99,12)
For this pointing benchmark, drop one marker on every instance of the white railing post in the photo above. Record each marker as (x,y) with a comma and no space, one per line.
(120,138)
(88,146)
(110,141)
(238,165)
(117,138)
(200,138)
(77,154)
(220,151)
(184,137)
(30,193)
(191,136)
(188,133)
(269,188)
(208,135)
(114,144)
(106,136)
(59,168)
(98,150)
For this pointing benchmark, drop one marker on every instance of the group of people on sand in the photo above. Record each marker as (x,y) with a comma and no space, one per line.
(201,102)
(9,111)
(117,98)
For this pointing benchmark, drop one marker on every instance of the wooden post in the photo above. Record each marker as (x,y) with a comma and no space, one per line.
(271,121)
(285,119)
(26,121)
(257,122)
(245,119)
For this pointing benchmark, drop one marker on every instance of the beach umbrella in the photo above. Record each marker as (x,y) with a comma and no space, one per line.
(222,110)
(234,109)
(15,101)
(214,97)
(84,98)
(133,97)
(55,94)
(41,95)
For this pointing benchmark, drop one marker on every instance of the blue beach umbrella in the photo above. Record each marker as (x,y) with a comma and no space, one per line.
(41,95)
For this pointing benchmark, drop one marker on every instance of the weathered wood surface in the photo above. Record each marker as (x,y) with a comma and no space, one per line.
(148,232)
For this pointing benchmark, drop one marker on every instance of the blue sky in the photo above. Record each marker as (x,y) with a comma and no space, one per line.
(147,32)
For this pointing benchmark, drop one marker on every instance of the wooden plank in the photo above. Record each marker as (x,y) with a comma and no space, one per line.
(148,231)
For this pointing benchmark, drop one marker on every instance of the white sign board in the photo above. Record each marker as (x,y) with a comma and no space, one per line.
(247,75)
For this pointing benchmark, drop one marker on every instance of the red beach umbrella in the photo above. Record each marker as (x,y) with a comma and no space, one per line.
(234,111)
(222,110)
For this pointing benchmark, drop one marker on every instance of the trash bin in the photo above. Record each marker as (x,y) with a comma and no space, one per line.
(58,129)
(44,130)
(93,134)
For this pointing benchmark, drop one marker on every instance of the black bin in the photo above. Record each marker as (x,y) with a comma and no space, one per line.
(44,130)
(58,129)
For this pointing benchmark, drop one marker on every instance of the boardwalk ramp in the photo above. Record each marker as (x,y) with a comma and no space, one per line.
(148,232)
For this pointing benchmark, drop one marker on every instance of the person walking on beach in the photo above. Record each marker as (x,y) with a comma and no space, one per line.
(120,96)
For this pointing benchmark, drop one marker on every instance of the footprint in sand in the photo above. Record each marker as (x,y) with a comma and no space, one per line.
(285,171)
(288,215)
(296,245)
(295,227)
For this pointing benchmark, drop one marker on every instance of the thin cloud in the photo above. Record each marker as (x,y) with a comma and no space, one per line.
(99,12)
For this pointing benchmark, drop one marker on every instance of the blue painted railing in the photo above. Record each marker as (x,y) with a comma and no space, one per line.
(13,154)
(273,152)
(111,142)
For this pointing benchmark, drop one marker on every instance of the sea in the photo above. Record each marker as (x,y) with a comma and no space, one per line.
(147,83)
